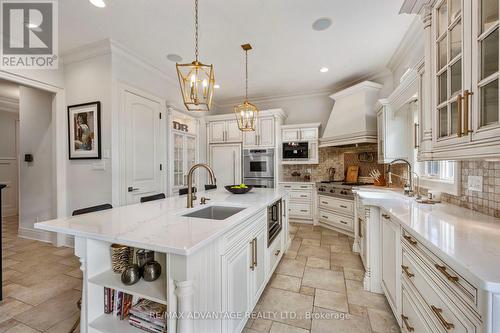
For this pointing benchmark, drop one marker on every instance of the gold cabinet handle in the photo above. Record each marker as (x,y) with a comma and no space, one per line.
(406,269)
(407,323)
(385,216)
(415,135)
(252,266)
(343,206)
(439,314)
(360,227)
(450,277)
(459,117)
(255,250)
(324,202)
(467,94)
(410,240)
(325,217)
(277,253)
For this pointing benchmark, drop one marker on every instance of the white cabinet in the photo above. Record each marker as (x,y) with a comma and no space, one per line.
(302,133)
(224,131)
(336,213)
(393,133)
(258,273)
(300,206)
(390,257)
(226,161)
(264,134)
(184,157)
(461,117)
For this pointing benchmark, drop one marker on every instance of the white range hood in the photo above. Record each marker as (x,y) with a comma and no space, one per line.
(353,119)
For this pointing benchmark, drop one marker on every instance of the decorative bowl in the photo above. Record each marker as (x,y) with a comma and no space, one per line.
(238,190)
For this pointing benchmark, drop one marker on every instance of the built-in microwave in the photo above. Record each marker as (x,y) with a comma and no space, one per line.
(295,150)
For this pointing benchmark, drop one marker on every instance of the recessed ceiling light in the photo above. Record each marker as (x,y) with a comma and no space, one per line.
(323,69)
(98,3)
(174,57)
(322,24)
(216,86)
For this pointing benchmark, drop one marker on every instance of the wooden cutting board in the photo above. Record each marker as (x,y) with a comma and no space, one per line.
(352,174)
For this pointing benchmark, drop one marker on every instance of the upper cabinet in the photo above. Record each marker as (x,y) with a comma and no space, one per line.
(460,116)
(224,131)
(302,133)
(264,134)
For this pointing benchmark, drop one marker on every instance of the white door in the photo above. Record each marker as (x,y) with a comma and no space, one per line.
(226,161)
(217,131)
(233,132)
(249,139)
(290,135)
(309,134)
(391,261)
(8,176)
(266,132)
(259,272)
(142,147)
(179,167)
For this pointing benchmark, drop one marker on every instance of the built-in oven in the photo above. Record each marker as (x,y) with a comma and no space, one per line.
(295,150)
(258,163)
(274,221)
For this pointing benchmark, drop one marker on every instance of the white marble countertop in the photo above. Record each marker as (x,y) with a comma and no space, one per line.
(160,226)
(466,240)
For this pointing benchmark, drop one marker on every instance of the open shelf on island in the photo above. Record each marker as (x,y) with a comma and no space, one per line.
(108,323)
(155,291)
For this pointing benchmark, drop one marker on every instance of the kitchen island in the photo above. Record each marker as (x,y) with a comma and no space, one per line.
(211,264)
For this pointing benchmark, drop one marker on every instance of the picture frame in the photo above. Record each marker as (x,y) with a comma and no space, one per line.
(84,131)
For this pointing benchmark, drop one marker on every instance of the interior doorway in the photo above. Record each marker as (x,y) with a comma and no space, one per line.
(27,157)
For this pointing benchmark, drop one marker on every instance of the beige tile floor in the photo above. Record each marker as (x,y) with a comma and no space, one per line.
(319,277)
(320,282)
(41,285)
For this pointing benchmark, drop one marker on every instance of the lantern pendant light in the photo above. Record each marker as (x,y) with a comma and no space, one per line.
(246,113)
(196,79)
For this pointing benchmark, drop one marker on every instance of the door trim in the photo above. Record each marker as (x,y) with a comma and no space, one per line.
(118,170)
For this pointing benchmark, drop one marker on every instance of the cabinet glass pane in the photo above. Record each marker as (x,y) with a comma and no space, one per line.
(456,77)
(489,13)
(442,53)
(489,55)
(443,87)
(456,41)
(489,103)
(443,18)
(443,121)
(454,118)
(455,9)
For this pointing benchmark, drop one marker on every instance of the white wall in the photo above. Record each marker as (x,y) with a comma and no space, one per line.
(89,81)
(8,134)
(37,182)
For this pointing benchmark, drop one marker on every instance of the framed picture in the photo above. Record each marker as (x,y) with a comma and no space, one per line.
(84,131)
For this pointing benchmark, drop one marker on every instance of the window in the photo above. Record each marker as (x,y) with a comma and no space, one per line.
(439,170)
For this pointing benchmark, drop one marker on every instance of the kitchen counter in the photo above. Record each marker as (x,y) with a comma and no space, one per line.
(160,226)
(469,241)
(292,181)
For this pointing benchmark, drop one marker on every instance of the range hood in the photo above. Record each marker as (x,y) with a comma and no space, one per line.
(353,120)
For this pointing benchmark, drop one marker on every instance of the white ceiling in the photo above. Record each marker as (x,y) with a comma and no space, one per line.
(287,53)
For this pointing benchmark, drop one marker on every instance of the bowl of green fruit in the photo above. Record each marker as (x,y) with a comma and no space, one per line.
(239,189)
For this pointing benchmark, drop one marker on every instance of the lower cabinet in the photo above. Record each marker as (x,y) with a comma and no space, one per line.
(258,273)
(390,257)
(413,321)
(300,207)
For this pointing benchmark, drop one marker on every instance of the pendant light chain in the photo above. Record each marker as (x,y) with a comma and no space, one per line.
(196,28)
(246,74)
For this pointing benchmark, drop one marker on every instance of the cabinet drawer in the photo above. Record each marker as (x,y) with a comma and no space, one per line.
(336,220)
(275,251)
(440,310)
(451,279)
(297,187)
(301,195)
(340,205)
(300,210)
(413,321)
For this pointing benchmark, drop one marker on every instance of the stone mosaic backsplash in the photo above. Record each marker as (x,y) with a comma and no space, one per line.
(487,201)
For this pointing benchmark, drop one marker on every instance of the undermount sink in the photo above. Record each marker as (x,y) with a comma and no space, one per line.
(215,212)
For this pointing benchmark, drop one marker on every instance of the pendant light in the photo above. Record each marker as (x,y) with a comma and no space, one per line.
(246,113)
(196,79)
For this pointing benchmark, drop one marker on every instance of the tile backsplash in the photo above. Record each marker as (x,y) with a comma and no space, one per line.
(338,158)
(487,201)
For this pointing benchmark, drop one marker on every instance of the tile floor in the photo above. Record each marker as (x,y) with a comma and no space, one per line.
(41,285)
(320,281)
(317,288)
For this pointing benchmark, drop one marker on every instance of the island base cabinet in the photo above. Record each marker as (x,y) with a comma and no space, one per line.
(413,321)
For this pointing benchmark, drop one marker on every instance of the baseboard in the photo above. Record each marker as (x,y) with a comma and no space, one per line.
(38,235)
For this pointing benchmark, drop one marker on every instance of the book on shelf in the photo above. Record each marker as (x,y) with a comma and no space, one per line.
(146,325)
(150,311)
(117,303)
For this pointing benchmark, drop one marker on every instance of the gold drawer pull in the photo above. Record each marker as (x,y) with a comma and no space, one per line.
(406,269)
(407,323)
(277,253)
(304,211)
(343,222)
(303,196)
(410,240)
(438,312)
(385,216)
(325,217)
(324,202)
(342,206)
(450,277)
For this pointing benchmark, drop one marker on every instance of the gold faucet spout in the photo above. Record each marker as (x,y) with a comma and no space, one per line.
(213,181)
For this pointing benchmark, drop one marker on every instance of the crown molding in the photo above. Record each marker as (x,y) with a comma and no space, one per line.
(9,104)
(88,51)
(414,6)
(412,38)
